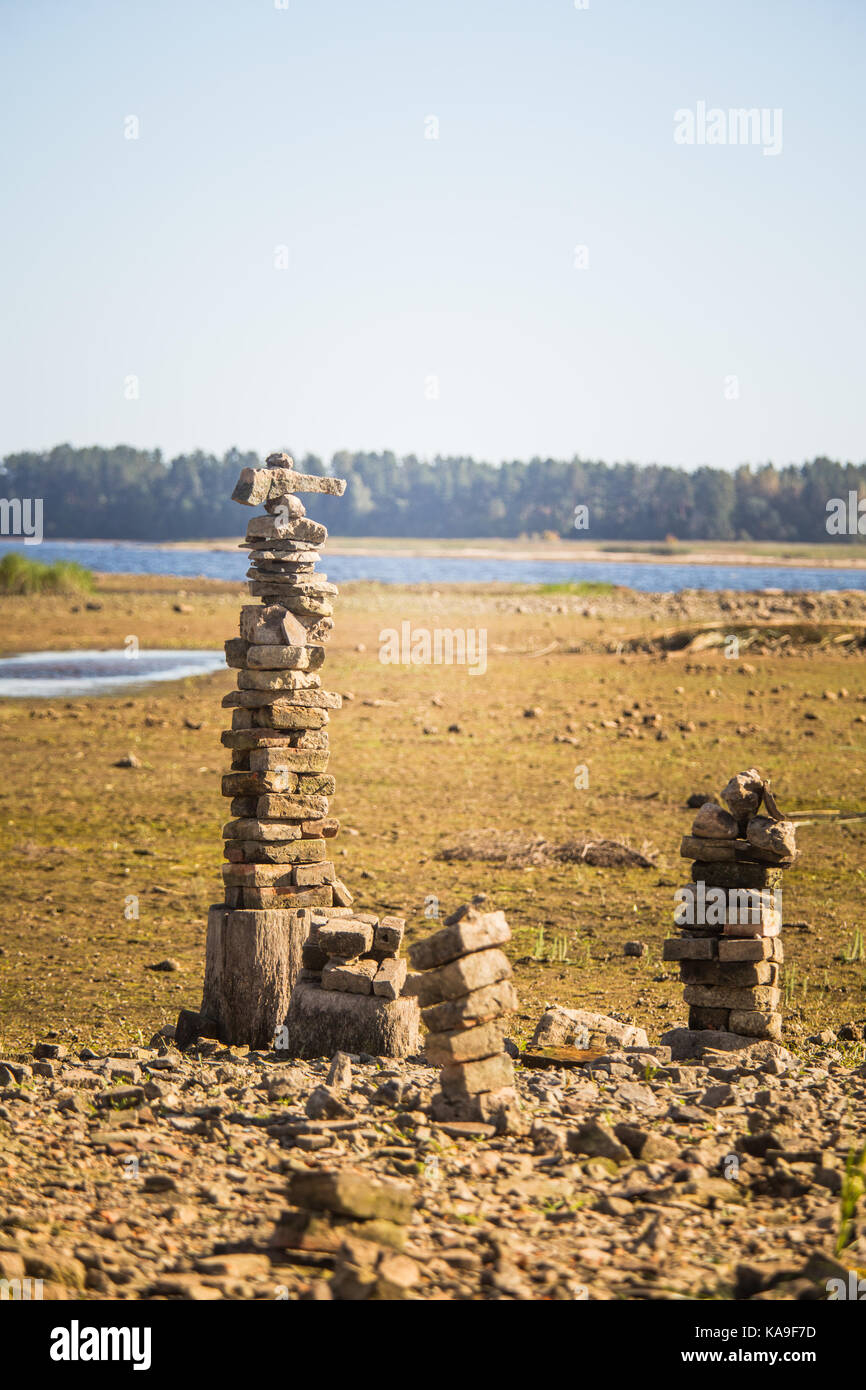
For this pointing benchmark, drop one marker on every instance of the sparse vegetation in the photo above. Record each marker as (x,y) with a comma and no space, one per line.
(853,1191)
(584,589)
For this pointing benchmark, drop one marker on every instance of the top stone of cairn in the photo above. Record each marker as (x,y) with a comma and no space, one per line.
(279,479)
(744,794)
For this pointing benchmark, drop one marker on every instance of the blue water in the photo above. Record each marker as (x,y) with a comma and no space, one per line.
(49,674)
(657,577)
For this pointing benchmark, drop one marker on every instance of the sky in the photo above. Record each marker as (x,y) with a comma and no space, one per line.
(465,228)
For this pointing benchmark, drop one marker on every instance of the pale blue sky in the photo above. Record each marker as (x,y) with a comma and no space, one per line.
(412,258)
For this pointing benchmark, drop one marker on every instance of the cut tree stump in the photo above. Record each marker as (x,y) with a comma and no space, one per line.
(252,960)
(321,1022)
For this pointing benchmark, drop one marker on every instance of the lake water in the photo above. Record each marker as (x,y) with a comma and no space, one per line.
(53,674)
(658,577)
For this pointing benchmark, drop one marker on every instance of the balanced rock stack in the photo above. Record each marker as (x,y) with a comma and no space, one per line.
(279,785)
(276,843)
(730,949)
(464,991)
(355,1224)
(348,995)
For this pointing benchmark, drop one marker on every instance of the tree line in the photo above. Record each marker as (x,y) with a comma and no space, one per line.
(133,494)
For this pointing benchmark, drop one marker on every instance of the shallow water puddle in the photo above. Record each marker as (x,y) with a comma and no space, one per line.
(43,675)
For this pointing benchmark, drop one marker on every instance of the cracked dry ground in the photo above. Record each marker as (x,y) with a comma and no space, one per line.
(150,1174)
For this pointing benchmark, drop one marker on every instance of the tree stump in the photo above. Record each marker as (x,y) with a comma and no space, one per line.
(321,1022)
(253,958)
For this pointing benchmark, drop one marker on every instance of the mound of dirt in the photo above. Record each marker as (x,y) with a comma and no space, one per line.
(516,850)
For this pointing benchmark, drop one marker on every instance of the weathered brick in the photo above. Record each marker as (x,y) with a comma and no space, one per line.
(460,977)
(475,931)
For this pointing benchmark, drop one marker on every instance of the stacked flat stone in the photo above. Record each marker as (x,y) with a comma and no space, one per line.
(464,991)
(349,994)
(276,841)
(355,1224)
(355,953)
(730,949)
(273,976)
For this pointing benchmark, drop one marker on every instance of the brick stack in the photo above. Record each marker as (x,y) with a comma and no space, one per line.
(356,953)
(730,915)
(279,786)
(348,995)
(276,842)
(464,991)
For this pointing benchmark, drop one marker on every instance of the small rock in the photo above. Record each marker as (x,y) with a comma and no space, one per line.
(573,1027)
(160,1182)
(347,1192)
(595,1140)
(324,1104)
(120,1097)
(777,836)
(340,1071)
(164,1035)
(697,799)
(715,1096)
(389,1093)
(713,822)
(744,793)
(645,1145)
(688,1043)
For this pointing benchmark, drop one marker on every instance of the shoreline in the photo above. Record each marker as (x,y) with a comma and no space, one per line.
(516,552)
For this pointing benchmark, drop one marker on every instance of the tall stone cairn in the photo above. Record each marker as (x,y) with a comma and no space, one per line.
(464,991)
(730,949)
(276,843)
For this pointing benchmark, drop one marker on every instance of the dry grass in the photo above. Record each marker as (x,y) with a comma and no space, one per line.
(515,850)
(80,837)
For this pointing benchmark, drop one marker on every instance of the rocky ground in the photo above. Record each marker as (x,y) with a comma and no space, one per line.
(756,605)
(150,1174)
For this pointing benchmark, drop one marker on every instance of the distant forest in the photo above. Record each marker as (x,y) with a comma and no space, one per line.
(131,494)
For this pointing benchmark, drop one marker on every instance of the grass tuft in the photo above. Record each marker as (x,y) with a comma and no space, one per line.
(21,575)
(583,588)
